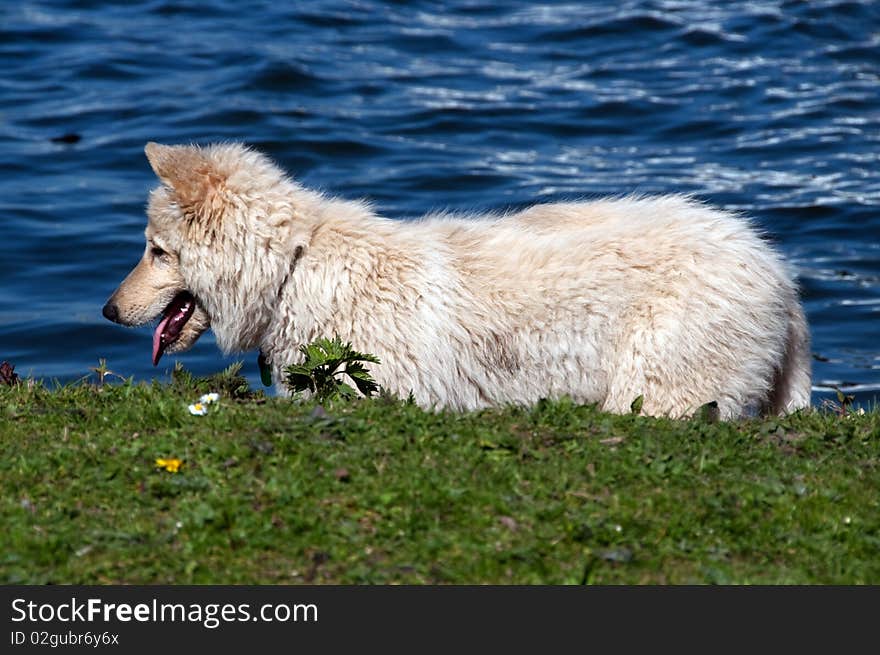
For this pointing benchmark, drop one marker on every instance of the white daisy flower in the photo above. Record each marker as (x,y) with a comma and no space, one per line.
(209,398)
(198,409)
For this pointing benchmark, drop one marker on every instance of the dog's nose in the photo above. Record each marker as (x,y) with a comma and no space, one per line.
(111,312)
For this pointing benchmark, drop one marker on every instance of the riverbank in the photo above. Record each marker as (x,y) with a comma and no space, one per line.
(121,483)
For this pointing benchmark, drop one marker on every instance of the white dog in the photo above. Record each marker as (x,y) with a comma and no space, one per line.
(602,301)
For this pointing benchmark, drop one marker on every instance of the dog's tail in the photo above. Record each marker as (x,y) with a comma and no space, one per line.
(792,385)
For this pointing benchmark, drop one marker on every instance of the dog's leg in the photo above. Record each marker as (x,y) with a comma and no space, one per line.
(676,374)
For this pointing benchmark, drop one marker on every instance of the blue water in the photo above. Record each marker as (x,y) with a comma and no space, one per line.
(768,107)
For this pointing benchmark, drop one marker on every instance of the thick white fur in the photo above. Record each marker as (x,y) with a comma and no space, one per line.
(601,301)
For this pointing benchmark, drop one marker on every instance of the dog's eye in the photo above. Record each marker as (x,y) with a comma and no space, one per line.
(156,251)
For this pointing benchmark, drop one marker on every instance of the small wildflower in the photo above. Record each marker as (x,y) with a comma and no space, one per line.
(855,412)
(198,409)
(172,464)
(201,408)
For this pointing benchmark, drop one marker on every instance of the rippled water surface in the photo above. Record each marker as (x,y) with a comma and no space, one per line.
(772,108)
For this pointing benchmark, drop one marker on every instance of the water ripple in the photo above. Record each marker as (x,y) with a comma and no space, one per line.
(768,107)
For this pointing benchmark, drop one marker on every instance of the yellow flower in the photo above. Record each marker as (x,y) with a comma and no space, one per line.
(172,465)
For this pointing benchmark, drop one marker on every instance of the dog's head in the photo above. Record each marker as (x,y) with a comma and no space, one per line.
(220,241)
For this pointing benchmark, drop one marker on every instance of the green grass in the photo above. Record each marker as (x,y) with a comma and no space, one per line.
(375,491)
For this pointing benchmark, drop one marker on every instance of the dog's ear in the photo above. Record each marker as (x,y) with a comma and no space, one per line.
(188,171)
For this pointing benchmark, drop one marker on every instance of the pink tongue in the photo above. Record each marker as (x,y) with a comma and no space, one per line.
(158,349)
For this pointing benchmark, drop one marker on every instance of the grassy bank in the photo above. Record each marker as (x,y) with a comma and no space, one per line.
(376,491)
